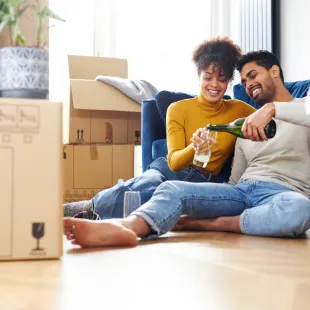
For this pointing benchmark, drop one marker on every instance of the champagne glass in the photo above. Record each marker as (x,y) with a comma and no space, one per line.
(203,153)
(38,233)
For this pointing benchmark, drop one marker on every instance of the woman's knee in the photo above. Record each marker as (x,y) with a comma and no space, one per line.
(170,188)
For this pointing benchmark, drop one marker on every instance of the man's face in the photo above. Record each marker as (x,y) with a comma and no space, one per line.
(258,82)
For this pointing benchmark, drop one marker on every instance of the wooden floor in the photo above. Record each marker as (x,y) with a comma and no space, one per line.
(181,271)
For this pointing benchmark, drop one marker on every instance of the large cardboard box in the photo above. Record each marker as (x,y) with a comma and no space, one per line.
(99,113)
(91,168)
(30,179)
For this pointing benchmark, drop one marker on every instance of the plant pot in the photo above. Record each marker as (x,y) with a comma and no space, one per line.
(24,72)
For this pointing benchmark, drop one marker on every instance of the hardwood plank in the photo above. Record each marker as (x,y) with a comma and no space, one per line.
(180,270)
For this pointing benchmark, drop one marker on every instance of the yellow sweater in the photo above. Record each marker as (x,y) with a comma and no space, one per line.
(186,116)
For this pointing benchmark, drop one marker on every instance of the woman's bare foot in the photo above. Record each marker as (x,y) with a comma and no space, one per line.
(88,233)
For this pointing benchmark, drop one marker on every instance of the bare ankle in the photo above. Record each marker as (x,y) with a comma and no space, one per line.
(226,223)
(137,224)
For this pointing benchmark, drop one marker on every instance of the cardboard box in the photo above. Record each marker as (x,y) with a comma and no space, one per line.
(89,169)
(138,161)
(30,179)
(99,113)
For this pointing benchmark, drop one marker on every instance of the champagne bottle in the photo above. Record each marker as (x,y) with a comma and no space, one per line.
(234,128)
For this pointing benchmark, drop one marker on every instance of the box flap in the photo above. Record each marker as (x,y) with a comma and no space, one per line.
(87,67)
(94,95)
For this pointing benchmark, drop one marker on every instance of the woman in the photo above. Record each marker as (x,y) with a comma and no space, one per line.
(215,62)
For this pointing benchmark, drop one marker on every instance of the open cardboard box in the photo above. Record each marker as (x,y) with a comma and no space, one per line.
(99,113)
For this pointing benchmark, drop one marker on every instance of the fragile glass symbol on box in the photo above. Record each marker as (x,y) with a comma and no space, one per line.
(38,233)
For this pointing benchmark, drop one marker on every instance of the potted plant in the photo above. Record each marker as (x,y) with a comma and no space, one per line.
(24,70)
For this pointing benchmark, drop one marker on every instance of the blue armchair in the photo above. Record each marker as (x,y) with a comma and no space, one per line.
(154,142)
(153,139)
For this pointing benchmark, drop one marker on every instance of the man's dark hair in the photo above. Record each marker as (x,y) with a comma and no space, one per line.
(223,53)
(262,58)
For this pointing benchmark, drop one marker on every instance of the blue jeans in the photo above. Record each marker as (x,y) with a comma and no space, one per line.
(109,203)
(265,209)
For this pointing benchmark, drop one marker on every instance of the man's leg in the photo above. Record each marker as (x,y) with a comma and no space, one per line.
(287,214)
(161,213)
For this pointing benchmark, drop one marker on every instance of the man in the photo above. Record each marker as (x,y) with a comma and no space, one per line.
(268,191)
(294,112)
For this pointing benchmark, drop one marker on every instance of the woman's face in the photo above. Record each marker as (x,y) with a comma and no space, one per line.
(213,83)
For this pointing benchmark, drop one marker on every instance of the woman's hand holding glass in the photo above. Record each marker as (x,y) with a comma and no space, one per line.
(203,141)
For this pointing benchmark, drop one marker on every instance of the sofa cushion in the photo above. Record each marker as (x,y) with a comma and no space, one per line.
(240,94)
(159,148)
(298,89)
(165,98)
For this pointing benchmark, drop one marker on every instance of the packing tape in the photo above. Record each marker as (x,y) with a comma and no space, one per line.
(93,152)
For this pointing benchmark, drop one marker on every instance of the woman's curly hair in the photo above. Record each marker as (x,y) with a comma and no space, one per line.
(220,51)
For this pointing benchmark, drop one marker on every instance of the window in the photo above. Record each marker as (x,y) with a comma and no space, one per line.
(157,39)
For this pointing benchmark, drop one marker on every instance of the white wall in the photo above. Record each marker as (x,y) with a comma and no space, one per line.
(295,39)
(74,37)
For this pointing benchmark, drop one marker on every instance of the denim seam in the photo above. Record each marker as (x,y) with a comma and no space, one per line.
(188,175)
(213,198)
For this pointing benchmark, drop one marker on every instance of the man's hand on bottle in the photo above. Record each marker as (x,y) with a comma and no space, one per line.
(253,126)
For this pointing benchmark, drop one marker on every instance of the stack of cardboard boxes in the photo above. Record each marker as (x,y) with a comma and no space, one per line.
(103,127)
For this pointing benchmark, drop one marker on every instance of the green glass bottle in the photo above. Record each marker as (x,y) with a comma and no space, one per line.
(234,128)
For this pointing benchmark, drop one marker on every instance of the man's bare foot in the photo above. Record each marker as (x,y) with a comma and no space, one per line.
(88,233)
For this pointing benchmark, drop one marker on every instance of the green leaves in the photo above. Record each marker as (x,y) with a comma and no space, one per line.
(19,39)
(21,11)
(45,12)
(5,20)
(12,10)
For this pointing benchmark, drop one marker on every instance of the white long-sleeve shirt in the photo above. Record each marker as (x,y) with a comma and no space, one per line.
(295,112)
(284,159)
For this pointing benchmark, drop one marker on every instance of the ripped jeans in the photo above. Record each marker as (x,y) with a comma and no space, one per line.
(109,203)
(265,208)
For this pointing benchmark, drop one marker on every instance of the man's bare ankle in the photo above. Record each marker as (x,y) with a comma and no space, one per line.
(227,223)
(137,224)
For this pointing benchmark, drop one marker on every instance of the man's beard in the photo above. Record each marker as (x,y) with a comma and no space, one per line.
(266,95)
